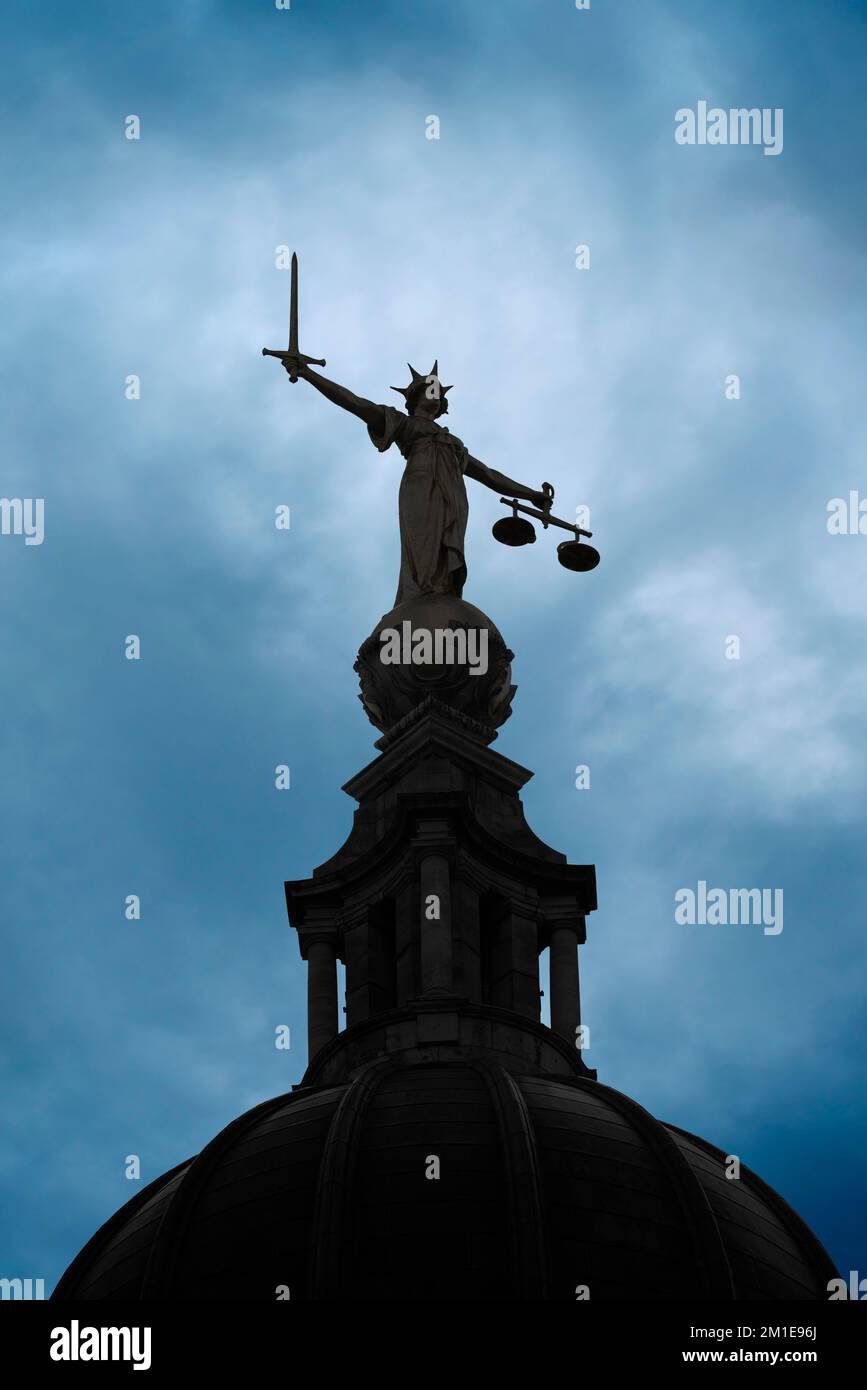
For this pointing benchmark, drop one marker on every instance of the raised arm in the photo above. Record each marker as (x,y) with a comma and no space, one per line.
(371,414)
(500,483)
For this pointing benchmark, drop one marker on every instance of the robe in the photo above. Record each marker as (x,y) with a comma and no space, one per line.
(432,504)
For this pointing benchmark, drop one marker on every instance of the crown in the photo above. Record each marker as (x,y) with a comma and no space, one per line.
(420,382)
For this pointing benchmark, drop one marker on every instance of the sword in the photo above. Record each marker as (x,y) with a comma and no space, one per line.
(291,354)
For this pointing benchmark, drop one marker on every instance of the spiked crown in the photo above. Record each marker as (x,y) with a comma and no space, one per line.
(420,383)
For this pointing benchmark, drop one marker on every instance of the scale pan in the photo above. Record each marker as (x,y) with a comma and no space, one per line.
(575,556)
(513,530)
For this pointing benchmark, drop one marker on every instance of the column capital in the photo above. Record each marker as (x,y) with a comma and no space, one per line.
(433,835)
(316,934)
(562,913)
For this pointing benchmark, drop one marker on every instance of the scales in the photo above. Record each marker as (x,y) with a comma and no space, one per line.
(514,530)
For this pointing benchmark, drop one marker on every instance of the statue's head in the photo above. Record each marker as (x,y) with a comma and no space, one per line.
(425,394)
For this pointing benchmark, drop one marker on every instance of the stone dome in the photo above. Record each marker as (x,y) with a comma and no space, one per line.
(448,1144)
(546,1183)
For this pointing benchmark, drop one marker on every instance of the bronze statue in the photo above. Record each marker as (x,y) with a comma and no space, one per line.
(433,568)
(432,504)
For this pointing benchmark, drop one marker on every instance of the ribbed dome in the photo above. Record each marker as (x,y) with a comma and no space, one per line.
(545,1184)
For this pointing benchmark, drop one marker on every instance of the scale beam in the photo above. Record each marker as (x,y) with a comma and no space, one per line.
(545,517)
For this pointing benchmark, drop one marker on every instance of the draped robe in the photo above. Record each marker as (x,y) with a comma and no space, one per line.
(432,504)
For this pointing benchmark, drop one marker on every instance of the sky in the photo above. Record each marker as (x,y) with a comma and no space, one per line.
(158,257)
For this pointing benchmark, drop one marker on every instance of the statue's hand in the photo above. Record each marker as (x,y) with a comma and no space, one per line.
(543,498)
(294,367)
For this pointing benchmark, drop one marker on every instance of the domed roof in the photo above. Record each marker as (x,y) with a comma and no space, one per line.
(545,1183)
(448,1144)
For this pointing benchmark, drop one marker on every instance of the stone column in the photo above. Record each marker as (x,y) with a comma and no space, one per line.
(563,962)
(515,960)
(321,995)
(466,941)
(368,935)
(436,933)
(406,936)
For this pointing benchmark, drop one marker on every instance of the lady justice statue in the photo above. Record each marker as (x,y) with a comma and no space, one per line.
(432,510)
(432,502)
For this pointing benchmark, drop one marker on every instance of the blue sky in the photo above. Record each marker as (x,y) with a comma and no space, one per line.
(261,128)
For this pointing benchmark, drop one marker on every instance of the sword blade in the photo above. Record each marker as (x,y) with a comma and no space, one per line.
(293,308)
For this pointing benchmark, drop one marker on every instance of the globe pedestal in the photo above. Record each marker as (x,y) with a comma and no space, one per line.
(393,689)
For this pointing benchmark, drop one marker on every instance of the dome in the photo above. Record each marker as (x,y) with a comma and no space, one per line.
(446,1143)
(545,1183)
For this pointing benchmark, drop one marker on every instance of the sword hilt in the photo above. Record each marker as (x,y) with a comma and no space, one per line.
(301,358)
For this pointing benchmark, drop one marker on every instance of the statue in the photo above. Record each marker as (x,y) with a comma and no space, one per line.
(432,509)
(432,503)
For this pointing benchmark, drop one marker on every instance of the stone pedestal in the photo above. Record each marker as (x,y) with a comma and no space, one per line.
(440,903)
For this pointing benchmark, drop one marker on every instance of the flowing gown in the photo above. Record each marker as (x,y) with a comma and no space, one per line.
(432,504)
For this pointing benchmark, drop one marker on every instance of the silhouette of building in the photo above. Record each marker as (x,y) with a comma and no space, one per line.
(446,1144)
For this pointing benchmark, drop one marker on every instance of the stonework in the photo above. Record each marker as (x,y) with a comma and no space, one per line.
(446,1144)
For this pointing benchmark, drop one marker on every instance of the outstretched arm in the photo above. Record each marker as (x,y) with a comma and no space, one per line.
(371,414)
(500,483)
